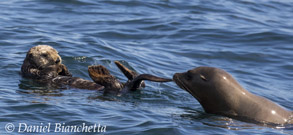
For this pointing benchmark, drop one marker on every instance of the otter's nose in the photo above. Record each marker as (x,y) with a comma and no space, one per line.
(57,61)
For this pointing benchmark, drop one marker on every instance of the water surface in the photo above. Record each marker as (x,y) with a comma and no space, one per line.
(252,40)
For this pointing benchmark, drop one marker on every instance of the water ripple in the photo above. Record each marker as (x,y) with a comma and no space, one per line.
(252,40)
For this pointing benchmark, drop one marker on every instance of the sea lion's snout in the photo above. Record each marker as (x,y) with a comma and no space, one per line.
(177,78)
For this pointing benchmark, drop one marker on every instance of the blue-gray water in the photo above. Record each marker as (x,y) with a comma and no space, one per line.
(252,40)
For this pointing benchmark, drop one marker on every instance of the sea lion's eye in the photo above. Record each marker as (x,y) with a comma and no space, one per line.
(188,75)
(203,77)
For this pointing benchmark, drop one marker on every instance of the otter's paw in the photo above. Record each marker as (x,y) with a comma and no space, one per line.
(48,73)
(63,71)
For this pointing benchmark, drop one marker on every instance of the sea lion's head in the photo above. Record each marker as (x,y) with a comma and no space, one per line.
(43,56)
(214,88)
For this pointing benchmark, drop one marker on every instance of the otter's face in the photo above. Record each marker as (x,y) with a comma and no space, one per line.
(207,84)
(42,56)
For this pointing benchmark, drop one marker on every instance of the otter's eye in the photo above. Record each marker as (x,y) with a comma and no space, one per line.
(45,55)
(203,77)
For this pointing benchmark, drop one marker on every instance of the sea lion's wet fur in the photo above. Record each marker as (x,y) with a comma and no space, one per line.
(219,93)
(43,64)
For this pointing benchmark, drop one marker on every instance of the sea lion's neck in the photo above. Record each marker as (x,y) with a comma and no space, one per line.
(290,119)
(261,109)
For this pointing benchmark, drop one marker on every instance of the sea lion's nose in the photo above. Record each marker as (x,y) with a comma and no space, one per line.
(57,61)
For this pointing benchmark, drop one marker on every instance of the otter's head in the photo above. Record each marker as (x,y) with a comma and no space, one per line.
(42,56)
(214,88)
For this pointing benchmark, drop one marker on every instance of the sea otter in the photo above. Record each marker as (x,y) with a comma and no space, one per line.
(135,81)
(43,64)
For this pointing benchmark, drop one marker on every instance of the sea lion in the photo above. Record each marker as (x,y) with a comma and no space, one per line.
(135,81)
(219,93)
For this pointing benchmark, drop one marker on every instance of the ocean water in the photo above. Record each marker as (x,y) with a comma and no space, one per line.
(252,40)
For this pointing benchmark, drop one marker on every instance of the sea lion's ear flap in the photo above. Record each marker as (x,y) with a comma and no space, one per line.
(203,77)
